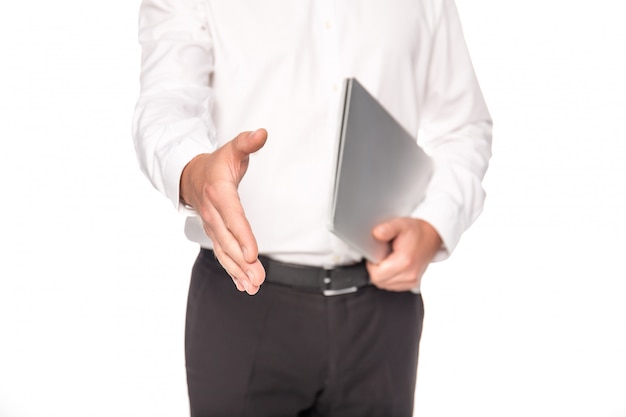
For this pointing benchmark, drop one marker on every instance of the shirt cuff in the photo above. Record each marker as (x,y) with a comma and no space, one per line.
(444,218)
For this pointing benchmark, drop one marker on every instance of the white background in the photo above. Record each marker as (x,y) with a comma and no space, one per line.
(528,317)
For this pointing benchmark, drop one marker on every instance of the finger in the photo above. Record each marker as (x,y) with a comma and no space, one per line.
(389,267)
(231,223)
(400,286)
(219,233)
(398,266)
(238,284)
(232,269)
(388,230)
(227,244)
(381,276)
(249,142)
(393,278)
(239,276)
(253,269)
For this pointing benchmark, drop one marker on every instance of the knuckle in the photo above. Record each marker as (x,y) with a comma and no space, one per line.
(212,192)
(206,215)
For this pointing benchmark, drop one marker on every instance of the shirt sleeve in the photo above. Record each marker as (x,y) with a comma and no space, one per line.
(456,130)
(172,121)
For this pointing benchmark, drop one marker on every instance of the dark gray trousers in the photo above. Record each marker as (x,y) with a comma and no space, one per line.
(285,352)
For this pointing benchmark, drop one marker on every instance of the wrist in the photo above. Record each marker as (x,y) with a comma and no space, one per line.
(431,238)
(187,180)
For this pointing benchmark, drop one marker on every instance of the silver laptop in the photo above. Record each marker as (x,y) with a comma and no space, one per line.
(381,172)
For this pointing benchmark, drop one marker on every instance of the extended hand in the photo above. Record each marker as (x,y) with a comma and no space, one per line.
(209,184)
(414,243)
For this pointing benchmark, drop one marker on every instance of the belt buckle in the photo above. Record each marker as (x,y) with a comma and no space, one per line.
(331,293)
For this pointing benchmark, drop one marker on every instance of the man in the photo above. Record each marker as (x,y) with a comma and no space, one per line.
(236,124)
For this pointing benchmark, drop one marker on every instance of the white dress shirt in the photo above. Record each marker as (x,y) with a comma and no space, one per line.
(214,68)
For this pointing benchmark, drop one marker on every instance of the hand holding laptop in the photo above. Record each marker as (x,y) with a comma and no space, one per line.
(414,244)
(381,173)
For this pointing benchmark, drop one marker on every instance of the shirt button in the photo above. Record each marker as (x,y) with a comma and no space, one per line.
(335,87)
(336,259)
(328,25)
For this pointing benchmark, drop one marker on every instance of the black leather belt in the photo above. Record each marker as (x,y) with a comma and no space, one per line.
(336,281)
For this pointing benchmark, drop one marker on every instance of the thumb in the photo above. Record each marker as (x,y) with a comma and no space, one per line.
(249,142)
(388,230)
